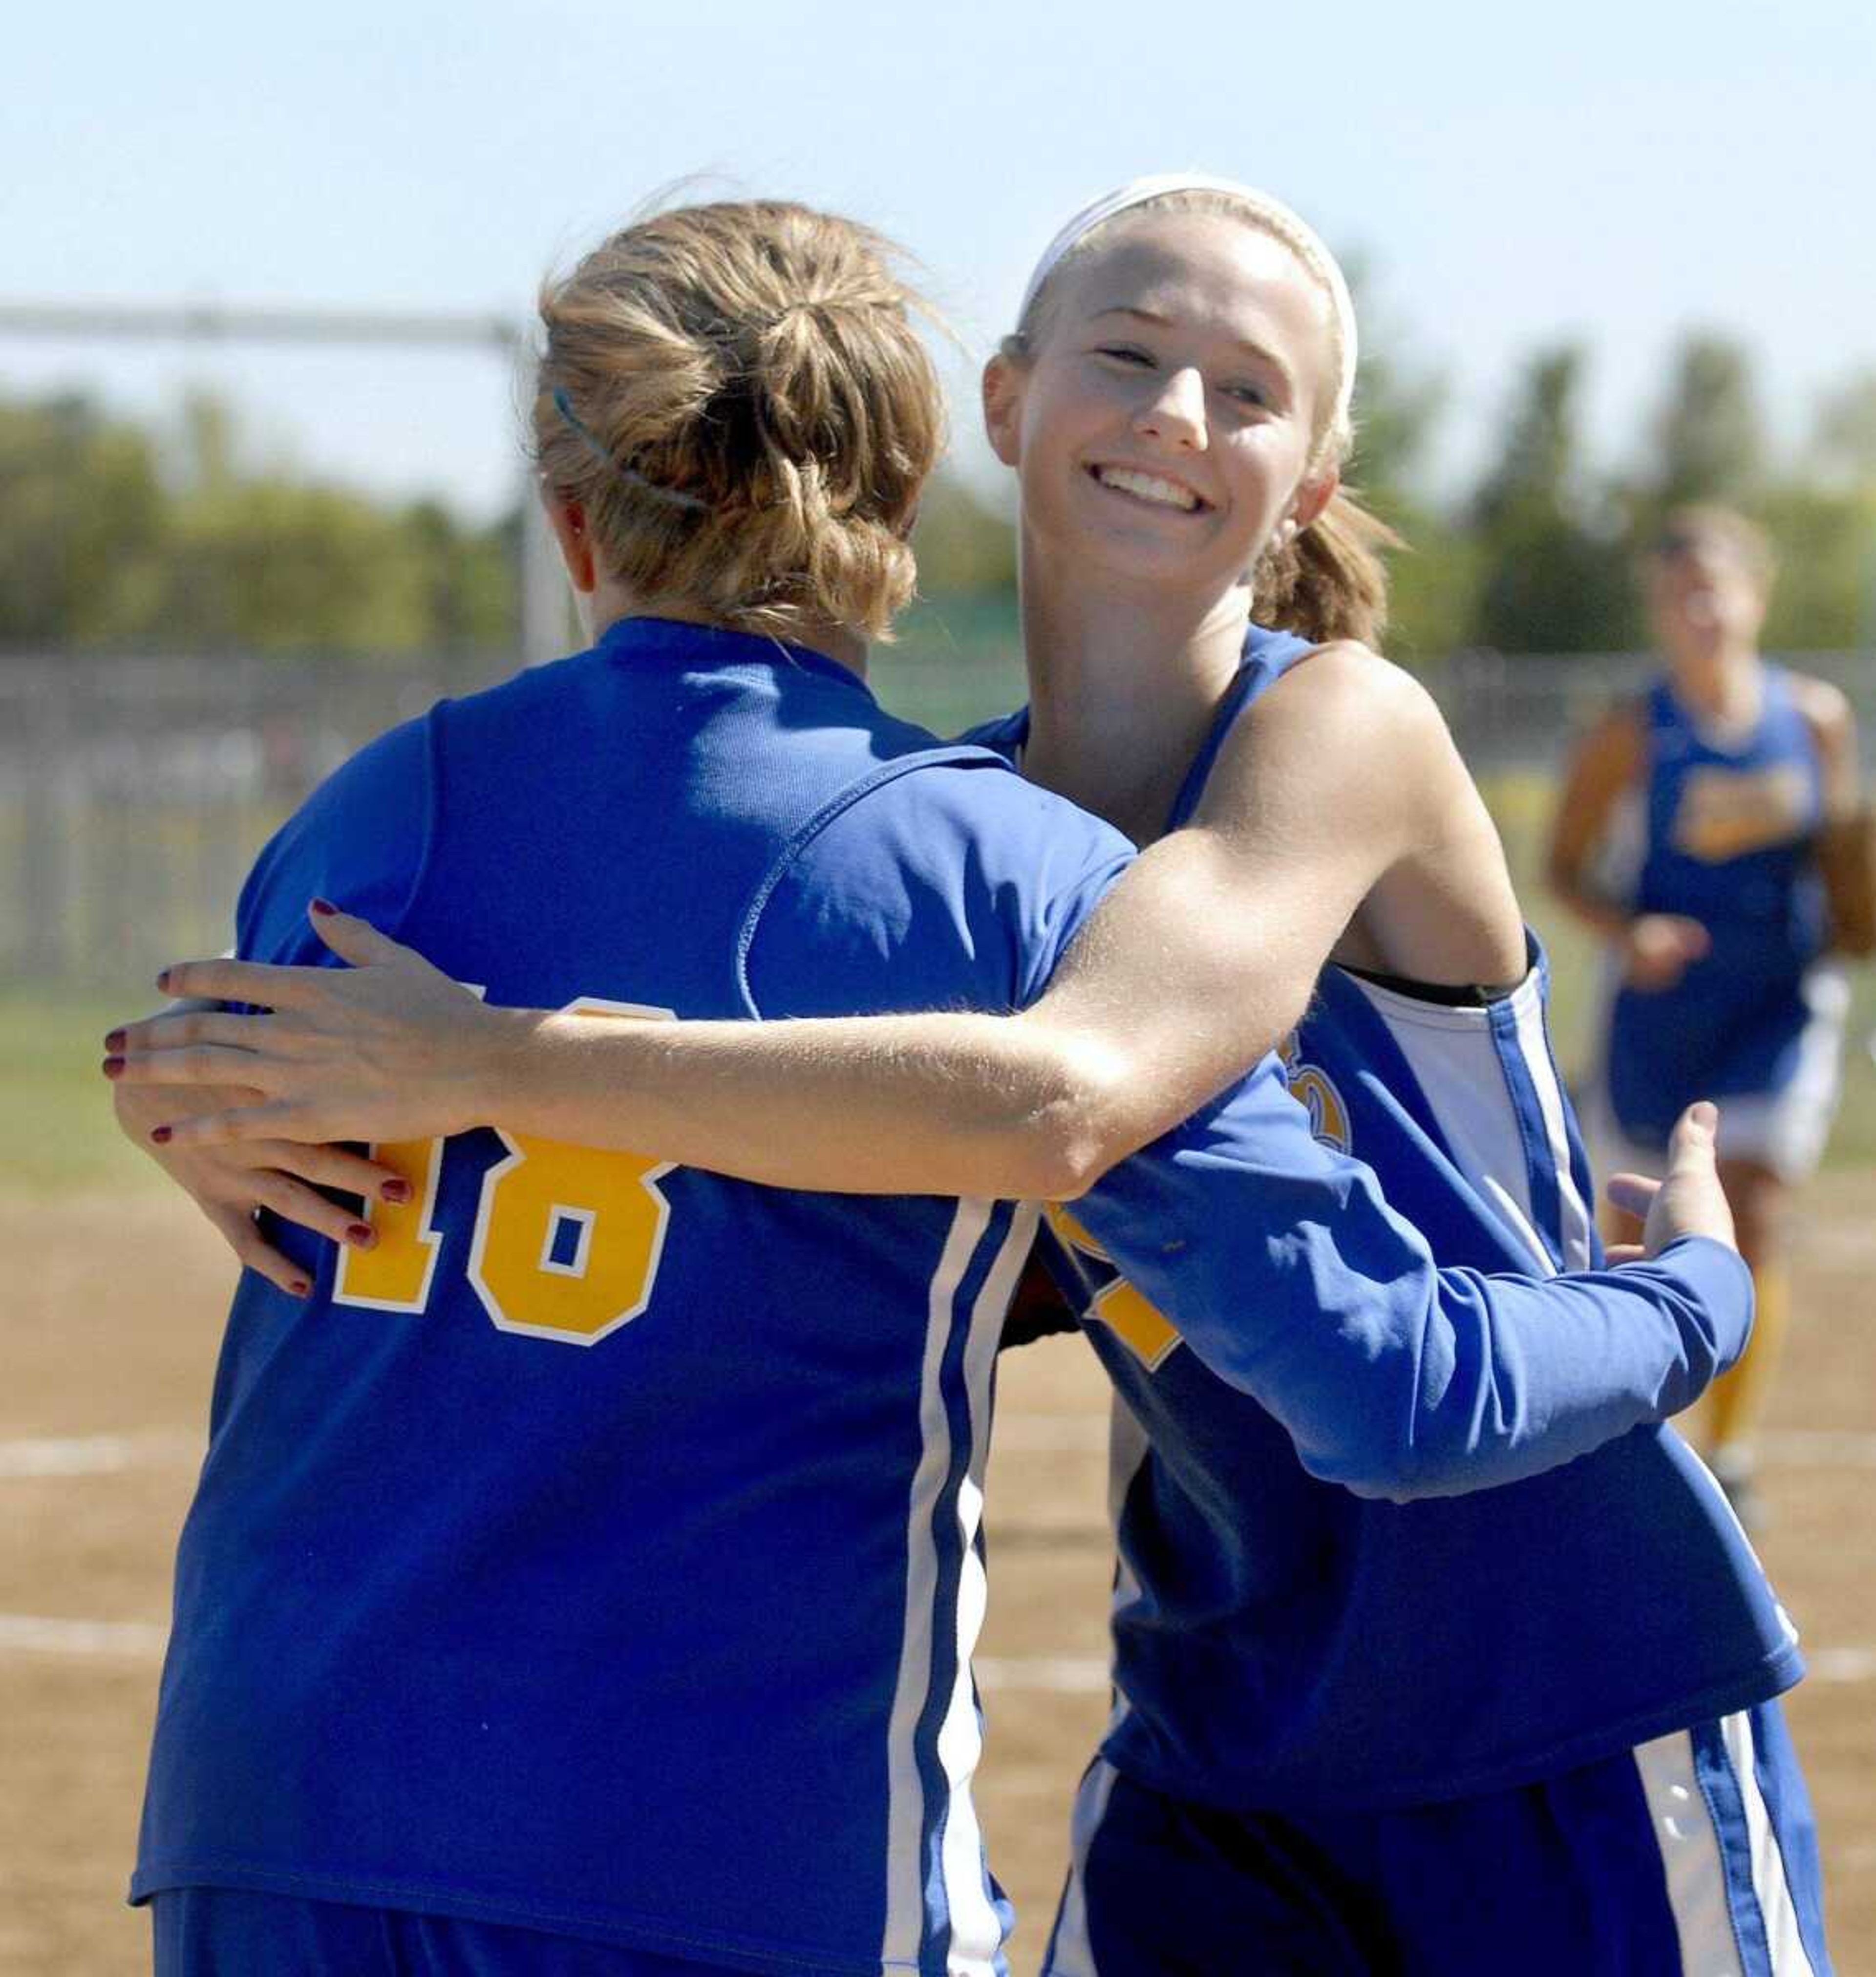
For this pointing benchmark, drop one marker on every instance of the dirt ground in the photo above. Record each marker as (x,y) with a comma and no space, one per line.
(106,1339)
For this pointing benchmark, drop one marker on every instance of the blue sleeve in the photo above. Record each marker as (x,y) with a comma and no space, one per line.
(951,885)
(1281,1265)
(942,882)
(360,840)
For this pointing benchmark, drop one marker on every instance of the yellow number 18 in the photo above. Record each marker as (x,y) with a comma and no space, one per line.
(566,1241)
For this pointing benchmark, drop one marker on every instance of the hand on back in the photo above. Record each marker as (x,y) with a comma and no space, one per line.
(389,1048)
(228,1184)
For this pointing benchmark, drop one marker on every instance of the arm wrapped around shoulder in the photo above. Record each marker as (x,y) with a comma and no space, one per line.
(1847,858)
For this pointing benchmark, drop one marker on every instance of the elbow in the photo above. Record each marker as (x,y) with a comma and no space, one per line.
(1394,1478)
(1398,1469)
(1087,1122)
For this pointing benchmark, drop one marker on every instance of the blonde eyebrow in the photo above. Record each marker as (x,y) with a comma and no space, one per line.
(1255,350)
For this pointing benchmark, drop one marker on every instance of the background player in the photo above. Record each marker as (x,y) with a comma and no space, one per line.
(1712,831)
(1339,1665)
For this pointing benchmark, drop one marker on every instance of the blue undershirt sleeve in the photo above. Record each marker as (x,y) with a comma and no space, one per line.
(943,884)
(1281,1265)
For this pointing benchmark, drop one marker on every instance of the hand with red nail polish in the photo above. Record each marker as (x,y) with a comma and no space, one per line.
(244,1190)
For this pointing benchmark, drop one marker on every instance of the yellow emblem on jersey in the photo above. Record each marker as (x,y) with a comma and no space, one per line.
(1142,1326)
(1724,814)
(1314,1090)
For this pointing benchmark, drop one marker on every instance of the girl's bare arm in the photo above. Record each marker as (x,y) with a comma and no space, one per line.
(1198,962)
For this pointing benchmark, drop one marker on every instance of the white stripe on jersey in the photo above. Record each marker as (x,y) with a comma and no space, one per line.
(974,1921)
(977,1929)
(1455,1056)
(1071,1953)
(905,1930)
(1576,1220)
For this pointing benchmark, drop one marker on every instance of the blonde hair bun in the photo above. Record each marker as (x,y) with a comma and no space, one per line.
(737,396)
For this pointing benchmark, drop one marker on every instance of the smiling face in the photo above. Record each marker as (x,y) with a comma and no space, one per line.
(1165,423)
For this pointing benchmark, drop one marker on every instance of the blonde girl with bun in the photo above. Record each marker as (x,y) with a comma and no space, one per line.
(1343,1720)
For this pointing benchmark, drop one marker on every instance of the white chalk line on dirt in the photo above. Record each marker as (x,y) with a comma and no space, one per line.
(97,1454)
(37,1634)
(1044,1434)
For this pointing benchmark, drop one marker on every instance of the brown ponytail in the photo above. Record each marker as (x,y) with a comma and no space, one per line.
(1330,581)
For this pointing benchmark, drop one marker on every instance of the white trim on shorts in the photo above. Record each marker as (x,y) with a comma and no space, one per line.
(1686,1829)
(1784,1129)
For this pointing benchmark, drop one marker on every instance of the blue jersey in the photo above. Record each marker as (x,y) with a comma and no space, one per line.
(600,1552)
(1727,834)
(1279,1643)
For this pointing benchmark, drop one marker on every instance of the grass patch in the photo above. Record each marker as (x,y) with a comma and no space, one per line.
(60,1130)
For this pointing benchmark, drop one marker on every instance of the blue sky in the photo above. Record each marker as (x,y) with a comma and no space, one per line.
(1509,173)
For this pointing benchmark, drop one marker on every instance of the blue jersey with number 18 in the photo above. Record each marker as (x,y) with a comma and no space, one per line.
(597,1552)
(600,1552)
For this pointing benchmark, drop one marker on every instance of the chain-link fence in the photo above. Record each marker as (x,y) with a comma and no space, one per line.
(134,791)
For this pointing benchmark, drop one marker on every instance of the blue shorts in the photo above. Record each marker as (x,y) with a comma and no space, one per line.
(237,1932)
(1696,1853)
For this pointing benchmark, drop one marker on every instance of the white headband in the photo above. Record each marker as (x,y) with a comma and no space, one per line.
(1287,226)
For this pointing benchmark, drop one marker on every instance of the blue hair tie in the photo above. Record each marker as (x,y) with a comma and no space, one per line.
(597,448)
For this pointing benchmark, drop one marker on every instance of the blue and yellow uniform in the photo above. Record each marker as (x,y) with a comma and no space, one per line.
(1723,830)
(598,1555)
(1518,1730)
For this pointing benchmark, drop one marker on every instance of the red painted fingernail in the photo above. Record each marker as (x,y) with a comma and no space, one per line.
(300,1288)
(361,1233)
(323,907)
(163,980)
(395,1190)
(115,1041)
(114,1067)
(161,1134)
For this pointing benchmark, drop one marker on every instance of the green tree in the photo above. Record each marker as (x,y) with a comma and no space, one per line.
(1709,443)
(1553,571)
(1825,598)
(966,547)
(82,523)
(1398,405)
(1844,436)
(106,537)
(467,576)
